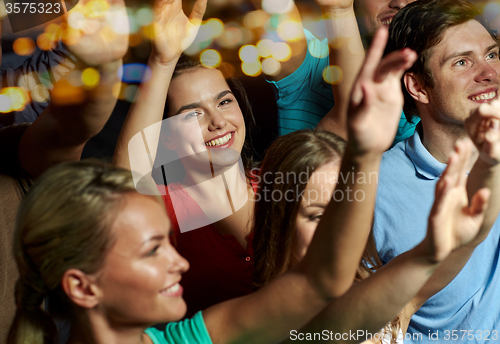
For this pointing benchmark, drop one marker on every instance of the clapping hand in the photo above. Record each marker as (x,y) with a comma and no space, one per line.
(454,223)
(483,127)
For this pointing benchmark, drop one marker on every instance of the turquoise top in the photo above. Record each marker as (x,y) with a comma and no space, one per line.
(188,331)
(304,98)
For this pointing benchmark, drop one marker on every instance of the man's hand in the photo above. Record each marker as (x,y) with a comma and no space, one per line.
(454,223)
(483,126)
(98,42)
(376,99)
(173,30)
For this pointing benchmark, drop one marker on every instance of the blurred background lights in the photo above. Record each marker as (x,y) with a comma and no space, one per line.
(215,26)
(281,51)
(265,47)
(13,99)
(210,58)
(129,93)
(45,41)
(491,11)
(277,6)
(255,19)
(65,93)
(40,93)
(270,66)
(332,74)
(134,72)
(144,16)
(134,40)
(249,53)
(76,20)
(251,68)
(96,8)
(317,49)
(90,77)
(231,37)
(290,30)
(5,103)
(24,46)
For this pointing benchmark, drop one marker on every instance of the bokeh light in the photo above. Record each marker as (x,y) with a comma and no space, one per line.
(265,47)
(134,72)
(290,30)
(90,78)
(281,51)
(64,93)
(317,49)
(210,58)
(13,99)
(144,16)
(271,66)
(96,8)
(215,26)
(255,19)
(249,53)
(231,37)
(45,42)
(24,46)
(252,68)
(277,6)
(40,93)
(332,74)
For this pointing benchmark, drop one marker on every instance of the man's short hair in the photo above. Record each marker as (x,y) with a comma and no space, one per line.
(420,26)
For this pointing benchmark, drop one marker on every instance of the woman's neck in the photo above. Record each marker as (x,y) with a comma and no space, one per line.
(91,328)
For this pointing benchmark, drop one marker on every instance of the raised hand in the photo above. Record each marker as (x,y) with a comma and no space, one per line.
(377,99)
(454,223)
(102,38)
(173,30)
(483,126)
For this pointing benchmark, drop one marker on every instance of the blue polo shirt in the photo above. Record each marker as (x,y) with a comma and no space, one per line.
(408,176)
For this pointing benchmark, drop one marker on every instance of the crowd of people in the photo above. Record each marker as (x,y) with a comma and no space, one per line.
(372,218)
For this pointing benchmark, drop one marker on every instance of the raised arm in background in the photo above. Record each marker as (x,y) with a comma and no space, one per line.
(173,33)
(347,53)
(62,130)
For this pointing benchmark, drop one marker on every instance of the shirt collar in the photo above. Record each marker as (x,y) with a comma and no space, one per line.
(425,164)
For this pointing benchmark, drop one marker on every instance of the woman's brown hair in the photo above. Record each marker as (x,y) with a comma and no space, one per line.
(290,157)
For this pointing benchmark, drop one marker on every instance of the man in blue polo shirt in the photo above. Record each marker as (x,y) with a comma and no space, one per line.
(452,88)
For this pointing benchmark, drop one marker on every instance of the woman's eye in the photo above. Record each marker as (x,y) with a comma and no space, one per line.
(153,251)
(225,102)
(315,217)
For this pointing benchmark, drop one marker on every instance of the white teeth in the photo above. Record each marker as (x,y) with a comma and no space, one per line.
(173,289)
(387,22)
(220,141)
(485,96)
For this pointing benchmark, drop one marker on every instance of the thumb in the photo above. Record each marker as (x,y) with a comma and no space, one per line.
(479,202)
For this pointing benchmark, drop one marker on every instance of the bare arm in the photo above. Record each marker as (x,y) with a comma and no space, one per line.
(328,269)
(452,224)
(347,53)
(62,130)
(174,32)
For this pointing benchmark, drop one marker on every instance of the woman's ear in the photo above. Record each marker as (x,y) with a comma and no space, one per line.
(415,88)
(81,288)
(166,140)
